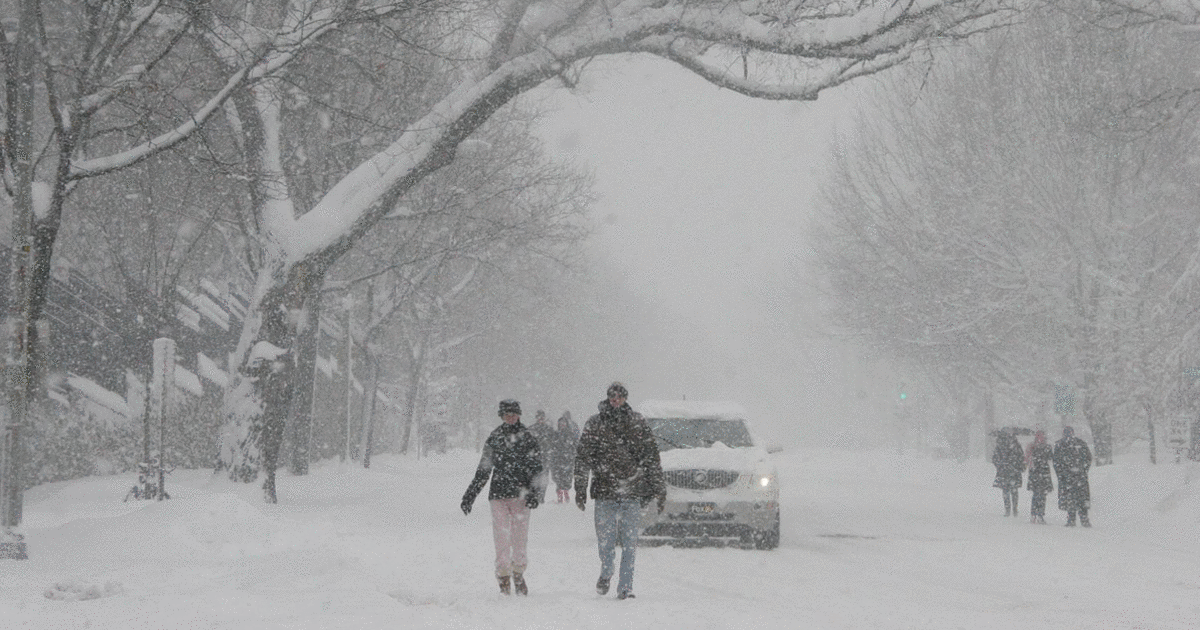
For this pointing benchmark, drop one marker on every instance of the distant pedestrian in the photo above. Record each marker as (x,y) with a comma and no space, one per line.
(1009,460)
(547,440)
(562,458)
(512,459)
(1037,458)
(1072,459)
(618,451)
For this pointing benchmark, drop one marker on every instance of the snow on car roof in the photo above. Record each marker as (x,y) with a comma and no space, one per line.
(691,409)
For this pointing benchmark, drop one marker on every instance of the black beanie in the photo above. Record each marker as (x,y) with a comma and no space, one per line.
(510,406)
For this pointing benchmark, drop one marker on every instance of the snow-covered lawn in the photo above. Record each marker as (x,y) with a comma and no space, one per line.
(871,540)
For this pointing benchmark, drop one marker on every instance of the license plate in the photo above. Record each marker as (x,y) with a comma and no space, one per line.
(701,508)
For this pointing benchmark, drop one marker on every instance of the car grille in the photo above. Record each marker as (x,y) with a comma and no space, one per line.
(700,479)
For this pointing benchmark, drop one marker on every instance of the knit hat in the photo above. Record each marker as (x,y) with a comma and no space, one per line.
(618,389)
(509,405)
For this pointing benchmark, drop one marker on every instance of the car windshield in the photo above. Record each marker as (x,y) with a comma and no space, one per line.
(699,433)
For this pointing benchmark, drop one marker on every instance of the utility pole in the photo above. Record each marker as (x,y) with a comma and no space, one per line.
(349,303)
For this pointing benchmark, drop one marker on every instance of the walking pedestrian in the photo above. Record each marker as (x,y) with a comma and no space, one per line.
(562,459)
(1037,458)
(619,453)
(547,440)
(1072,459)
(1009,460)
(512,459)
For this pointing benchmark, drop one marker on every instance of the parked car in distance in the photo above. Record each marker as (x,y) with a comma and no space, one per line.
(721,486)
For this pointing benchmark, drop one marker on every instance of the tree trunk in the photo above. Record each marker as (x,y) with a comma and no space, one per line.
(19,139)
(410,407)
(368,433)
(258,401)
(299,423)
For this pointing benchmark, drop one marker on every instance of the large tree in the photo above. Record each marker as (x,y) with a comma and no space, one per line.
(761,49)
(1026,218)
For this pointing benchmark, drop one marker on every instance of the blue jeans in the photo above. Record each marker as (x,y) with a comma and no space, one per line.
(618,520)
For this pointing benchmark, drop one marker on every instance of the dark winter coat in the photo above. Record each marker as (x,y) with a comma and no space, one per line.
(1039,468)
(544,433)
(512,458)
(1009,460)
(562,456)
(546,438)
(619,452)
(1072,459)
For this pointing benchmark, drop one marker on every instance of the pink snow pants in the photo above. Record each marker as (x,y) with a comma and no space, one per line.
(510,529)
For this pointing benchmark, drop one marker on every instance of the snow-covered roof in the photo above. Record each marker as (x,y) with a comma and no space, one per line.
(691,409)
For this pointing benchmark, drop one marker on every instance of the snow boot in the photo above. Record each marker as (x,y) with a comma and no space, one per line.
(602,585)
(519,583)
(505,589)
(625,595)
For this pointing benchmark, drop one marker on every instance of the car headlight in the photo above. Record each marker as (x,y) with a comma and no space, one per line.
(764,481)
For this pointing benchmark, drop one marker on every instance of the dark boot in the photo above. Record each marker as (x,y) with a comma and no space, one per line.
(519,583)
(602,585)
(1083,518)
(505,589)
(1070,518)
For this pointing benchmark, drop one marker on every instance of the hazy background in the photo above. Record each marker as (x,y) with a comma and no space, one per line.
(703,198)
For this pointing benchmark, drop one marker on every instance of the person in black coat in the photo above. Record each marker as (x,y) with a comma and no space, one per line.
(1040,484)
(562,460)
(1072,459)
(545,435)
(512,459)
(1009,460)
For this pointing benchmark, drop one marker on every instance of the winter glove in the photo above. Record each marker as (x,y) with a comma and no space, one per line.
(531,501)
(662,502)
(581,501)
(466,506)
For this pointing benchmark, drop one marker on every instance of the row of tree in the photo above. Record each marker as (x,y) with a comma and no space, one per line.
(1021,221)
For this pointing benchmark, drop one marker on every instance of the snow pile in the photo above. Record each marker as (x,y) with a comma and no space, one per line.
(77,590)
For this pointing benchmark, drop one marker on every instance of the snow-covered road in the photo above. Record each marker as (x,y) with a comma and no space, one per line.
(871,540)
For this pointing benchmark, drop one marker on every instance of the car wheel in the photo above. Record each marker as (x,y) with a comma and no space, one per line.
(767,538)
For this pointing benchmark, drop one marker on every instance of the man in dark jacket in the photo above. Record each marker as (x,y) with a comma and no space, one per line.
(1072,459)
(618,451)
(512,459)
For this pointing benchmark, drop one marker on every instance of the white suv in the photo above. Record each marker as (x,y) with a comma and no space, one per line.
(721,486)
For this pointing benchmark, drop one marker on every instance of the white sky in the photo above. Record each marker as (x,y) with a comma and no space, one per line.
(702,190)
(704,194)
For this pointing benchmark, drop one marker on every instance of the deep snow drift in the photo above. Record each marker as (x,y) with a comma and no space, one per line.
(871,540)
